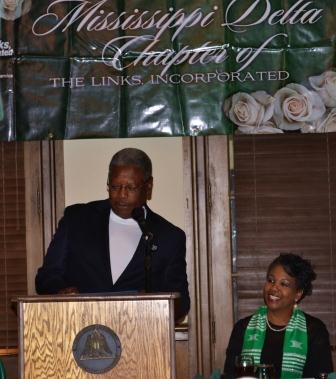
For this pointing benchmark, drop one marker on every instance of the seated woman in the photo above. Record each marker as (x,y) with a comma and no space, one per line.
(279,333)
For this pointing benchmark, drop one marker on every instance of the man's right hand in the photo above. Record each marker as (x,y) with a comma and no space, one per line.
(68,291)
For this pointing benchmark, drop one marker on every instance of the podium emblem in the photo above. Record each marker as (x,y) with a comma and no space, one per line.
(96,349)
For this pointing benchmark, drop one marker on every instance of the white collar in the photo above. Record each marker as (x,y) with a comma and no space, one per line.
(119,220)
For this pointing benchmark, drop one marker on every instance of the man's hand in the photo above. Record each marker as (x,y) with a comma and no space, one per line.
(68,291)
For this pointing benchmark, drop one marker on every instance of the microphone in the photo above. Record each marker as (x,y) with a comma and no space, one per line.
(138,214)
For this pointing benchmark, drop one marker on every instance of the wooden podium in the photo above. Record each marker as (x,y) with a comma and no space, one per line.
(97,336)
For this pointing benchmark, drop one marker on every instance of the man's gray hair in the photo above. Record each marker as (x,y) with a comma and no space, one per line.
(131,156)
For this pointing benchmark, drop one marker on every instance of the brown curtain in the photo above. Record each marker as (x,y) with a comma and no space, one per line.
(285,192)
(13,271)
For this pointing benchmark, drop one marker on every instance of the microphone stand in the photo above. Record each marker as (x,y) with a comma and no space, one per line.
(138,214)
(148,237)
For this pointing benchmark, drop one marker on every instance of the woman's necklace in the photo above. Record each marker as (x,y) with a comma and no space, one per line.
(275,330)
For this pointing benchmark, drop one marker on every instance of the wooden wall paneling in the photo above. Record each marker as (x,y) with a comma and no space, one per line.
(44,181)
(181,350)
(198,318)
(34,217)
(53,186)
(220,245)
(206,168)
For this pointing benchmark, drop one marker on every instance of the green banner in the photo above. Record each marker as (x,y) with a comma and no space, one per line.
(113,68)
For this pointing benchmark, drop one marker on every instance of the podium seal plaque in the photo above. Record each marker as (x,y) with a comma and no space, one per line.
(96,349)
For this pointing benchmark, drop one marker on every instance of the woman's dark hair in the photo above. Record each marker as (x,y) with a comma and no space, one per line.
(298,268)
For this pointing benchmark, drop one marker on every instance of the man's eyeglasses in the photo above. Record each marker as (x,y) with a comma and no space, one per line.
(128,187)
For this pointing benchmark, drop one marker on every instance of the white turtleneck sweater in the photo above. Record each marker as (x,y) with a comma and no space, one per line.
(124,237)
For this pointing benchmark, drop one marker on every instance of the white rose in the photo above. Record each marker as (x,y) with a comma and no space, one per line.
(308,128)
(12,9)
(295,106)
(11,5)
(267,128)
(325,85)
(327,123)
(249,110)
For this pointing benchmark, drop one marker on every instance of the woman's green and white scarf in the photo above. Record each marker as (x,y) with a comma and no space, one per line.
(295,343)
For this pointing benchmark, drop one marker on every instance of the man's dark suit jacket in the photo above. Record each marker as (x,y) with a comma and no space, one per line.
(79,256)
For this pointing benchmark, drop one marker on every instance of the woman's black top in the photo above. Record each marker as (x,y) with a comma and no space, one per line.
(318,355)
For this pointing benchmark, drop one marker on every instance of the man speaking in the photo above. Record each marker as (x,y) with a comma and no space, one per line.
(117,244)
